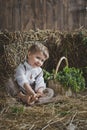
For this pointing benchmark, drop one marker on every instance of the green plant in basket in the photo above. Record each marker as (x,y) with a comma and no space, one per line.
(71,77)
(47,75)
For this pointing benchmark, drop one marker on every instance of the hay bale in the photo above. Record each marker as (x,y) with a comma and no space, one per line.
(16,51)
(14,45)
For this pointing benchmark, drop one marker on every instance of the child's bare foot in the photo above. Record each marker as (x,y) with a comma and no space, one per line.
(25,98)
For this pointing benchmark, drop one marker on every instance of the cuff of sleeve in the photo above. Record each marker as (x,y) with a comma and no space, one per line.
(40,86)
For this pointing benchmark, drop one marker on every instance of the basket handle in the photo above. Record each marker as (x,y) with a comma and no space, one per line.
(58,65)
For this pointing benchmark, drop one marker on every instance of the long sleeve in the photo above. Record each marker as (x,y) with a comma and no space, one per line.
(29,75)
(40,82)
(20,76)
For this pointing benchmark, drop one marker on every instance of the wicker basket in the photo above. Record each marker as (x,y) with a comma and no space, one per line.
(56,86)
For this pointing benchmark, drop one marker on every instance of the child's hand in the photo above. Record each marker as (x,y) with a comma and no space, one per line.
(34,97)
(39,94)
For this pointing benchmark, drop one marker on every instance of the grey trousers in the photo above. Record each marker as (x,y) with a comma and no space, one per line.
(12,87)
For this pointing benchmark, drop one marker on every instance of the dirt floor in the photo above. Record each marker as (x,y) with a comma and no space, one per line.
(65,113)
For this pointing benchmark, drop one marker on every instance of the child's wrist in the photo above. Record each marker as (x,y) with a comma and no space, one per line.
(33,93)
(40,90)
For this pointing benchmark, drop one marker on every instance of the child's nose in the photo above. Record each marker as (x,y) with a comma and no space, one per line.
(40,63)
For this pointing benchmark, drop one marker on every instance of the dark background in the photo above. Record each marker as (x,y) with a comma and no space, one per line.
(43,14)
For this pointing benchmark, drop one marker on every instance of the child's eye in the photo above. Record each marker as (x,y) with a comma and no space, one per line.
(40,59)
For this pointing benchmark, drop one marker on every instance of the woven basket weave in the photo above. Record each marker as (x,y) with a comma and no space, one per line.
(55,85)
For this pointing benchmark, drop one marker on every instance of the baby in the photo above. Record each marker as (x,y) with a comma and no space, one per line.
(29,75)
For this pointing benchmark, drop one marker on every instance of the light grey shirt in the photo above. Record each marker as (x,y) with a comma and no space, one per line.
(25,73)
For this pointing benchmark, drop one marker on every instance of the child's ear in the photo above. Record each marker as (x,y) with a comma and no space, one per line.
(29,53)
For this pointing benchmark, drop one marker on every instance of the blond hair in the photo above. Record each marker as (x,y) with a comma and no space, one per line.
(39,47)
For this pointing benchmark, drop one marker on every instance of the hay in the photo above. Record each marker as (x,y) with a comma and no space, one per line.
(15,49)
(14,45)
(64,113)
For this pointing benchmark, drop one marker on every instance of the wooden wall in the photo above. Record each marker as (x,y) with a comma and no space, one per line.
(43,14)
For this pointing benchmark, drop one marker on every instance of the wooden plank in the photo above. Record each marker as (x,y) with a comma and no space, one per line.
(49,14)
(2,15)
(38,14)
(44,15)
(52,14)
(27,15)
(55,3)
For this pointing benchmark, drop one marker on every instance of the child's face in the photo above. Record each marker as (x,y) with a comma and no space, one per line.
(36,60)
